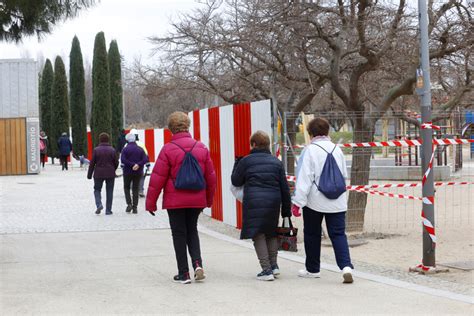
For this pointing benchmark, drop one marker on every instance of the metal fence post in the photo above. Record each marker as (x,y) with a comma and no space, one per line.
(274,121)
(426,134)
(284,150)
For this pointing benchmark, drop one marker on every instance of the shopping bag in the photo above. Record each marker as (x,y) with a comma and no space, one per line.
(237,192)
(287,236)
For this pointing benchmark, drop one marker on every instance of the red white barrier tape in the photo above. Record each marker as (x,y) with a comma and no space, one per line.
(430,166)
(387,194)
(429,227)
(423,268)
(404,143)
(392,185)
(429,200)
(429,125)
(403,185)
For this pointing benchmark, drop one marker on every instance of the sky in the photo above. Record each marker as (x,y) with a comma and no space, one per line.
(129,22)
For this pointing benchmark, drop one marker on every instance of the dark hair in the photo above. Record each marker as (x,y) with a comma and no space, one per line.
(318,127)
(104,138)
(261,140)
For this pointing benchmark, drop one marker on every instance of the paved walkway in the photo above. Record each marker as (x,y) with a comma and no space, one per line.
(56,201)
(88,264)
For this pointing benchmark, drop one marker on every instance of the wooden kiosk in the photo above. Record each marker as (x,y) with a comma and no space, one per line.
(19,117)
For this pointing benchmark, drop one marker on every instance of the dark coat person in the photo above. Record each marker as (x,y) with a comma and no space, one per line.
(266,191)
(103,165)
(133,159)
(121,141)
(65,148)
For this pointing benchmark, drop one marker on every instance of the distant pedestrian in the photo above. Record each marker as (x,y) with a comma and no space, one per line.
(121,142)
(318,203)
(266,191)
(183,205)
(133,159)
(141,188)
(43,148)
(103,165)
(65,148)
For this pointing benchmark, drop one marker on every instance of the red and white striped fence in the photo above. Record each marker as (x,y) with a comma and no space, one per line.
(226,131)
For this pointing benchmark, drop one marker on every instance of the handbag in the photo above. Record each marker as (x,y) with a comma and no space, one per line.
(287,236)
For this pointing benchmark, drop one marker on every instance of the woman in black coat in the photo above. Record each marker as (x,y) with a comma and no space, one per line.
(266,191)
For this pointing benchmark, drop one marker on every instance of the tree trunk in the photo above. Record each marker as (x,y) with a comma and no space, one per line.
(360,169)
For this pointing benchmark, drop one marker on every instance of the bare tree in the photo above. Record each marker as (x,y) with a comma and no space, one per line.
(365,51)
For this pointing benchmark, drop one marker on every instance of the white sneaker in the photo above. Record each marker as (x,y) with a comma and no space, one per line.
(347,275)
(199,274)
(305,274)
(265,276)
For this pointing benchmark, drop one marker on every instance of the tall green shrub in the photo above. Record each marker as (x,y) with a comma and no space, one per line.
(101,116)
(59,105)
(116,91)
(45,98)
(77,98)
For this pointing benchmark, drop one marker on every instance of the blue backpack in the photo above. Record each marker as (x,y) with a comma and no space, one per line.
(190,176)
(331,182)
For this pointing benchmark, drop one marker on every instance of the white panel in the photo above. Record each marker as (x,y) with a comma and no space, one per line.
(226,121)
(261,116)
(204,129)
(204,126)
(191,126)
(141,135)
(159,141)
(14,100)
(22,90)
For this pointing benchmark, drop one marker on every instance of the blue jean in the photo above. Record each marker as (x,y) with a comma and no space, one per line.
(109,188)
(336,226)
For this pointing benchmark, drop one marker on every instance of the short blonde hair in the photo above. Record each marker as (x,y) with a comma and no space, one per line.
(261,140)
(178,122)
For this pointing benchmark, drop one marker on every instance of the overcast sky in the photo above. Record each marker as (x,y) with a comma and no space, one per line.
(127,21)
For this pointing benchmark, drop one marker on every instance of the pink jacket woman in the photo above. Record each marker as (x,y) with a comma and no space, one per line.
(167,167)
(183,206)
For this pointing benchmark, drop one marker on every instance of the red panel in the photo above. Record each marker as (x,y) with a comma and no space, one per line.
(167,136)
(215,151)
(89,146)
(150,143)
(242,133)
(196,125)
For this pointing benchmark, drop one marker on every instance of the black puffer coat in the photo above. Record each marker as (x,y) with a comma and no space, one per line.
(265,192)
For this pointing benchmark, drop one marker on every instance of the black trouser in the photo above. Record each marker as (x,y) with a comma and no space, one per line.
(183,223)
(43,159)
(109,189)
(134,180)
(63,160)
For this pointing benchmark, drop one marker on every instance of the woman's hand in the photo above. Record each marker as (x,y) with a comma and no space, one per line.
(135,167)
(296,210)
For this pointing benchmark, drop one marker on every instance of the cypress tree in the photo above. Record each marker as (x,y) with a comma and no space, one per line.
(77,98)
(46,89)
(116,92)
(101,115)
(59,105)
